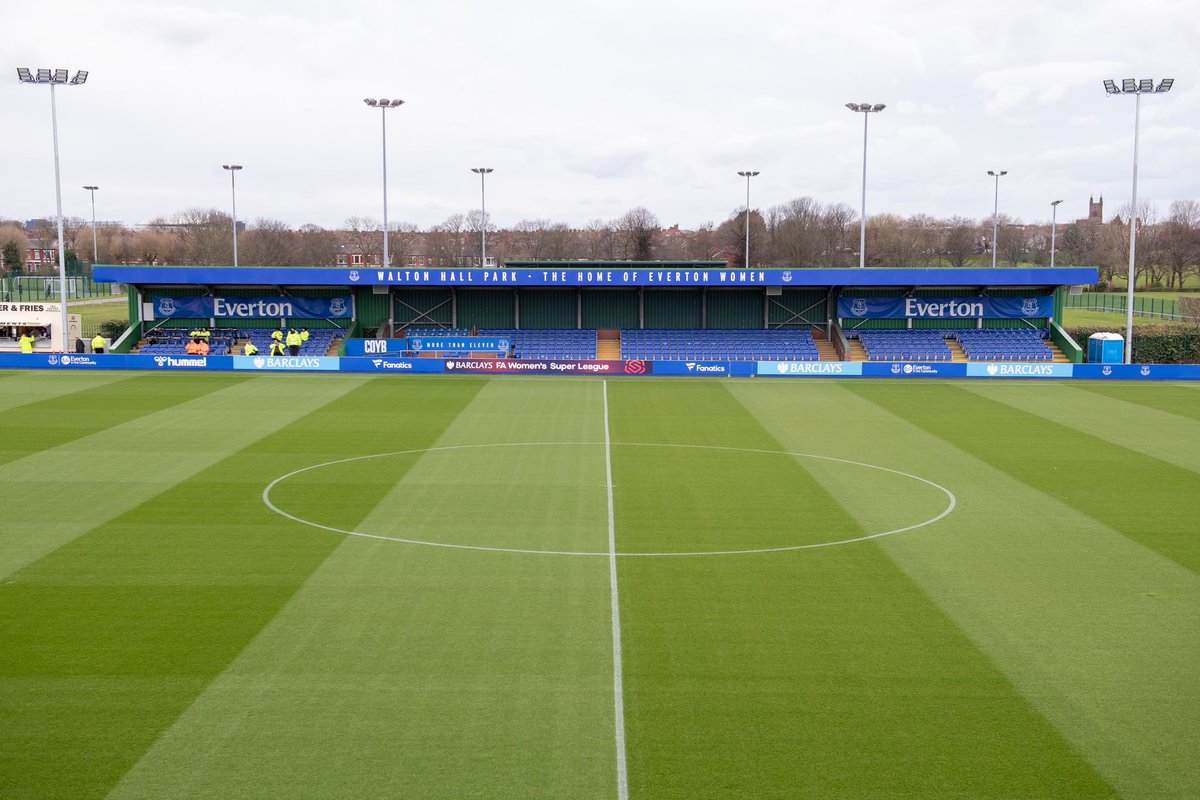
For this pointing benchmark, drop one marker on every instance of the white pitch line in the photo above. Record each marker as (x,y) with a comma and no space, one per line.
(618,681)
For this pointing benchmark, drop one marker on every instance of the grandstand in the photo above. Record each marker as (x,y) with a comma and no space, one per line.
(223,341)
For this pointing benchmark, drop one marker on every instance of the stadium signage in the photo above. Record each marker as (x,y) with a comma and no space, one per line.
(253,307)
(511,366)
(945,307)
(579,277)
(1008,370)
(288,363)
(815,368)
(181,362)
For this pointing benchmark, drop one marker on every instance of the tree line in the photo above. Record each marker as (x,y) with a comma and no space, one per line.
(796,234)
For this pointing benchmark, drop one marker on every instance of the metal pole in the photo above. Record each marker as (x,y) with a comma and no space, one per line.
(62,254)
(233,190)
(483,220)
(387,259)
(95,249)
(862,223)
(1053,229)
(1137,119)
(747,221)
(995,215)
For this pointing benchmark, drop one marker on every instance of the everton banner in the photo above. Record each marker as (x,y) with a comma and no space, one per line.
(253,307)
(945,307)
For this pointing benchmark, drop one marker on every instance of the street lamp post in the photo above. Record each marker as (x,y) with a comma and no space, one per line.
(55,77)
(1053,228)
(383,104)
(482,172)
(996,212)
(747,174)
(233,170)
(866,109)
(1137,88)
(95,249)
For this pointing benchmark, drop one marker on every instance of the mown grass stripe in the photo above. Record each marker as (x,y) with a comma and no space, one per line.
(1094,629)
(109,638)
(824,673)
(1127,490)
(1170,398)
(408,671)
(1118,418)
(78,409)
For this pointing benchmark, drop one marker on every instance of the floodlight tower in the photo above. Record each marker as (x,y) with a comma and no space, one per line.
(1053,228)
(233,171)
(55,77)
(383,104)
(1137,88)
(95,250)
(747,174)
(996,212)
(866,109)
(482,172)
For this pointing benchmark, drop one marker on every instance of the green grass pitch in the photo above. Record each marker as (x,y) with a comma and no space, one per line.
(181,617)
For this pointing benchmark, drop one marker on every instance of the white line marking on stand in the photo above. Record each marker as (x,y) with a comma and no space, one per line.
(618,681)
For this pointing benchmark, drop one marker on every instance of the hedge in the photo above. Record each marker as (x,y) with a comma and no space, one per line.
(1154,344)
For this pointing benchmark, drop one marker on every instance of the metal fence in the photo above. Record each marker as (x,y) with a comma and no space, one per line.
(1154,307)
(23,288)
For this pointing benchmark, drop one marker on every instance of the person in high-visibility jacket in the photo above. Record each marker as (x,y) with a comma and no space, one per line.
(277,335)
(193,347)
(250,349)
(276,348)
(98,343)
(205,335)
(304,334)
(293,342)
(27,342)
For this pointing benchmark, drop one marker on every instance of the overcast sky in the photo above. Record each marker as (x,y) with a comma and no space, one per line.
(589,108)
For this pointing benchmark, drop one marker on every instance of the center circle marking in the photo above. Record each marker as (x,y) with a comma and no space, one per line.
(951,504)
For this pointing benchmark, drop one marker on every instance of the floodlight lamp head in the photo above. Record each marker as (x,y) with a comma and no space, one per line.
(1110,87)
(91,188)
(231,167)
(61,75)
(24,75)
(1055,202)
(80,78)
(852,106)
(879,107)
(45,76)
(371,102)
(1129,85)
(397,103)
(1165,85)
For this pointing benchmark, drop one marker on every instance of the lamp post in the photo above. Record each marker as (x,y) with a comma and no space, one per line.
(233,170)
(482,172)
(95,250)
(55,77)
(1053,228)
(866,109)
(996,212)
(747,174)
(1137,88)
(383,104)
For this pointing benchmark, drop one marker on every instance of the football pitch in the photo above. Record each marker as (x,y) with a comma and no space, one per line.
(320,586)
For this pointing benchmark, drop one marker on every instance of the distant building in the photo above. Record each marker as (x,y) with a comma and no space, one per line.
(1095,212)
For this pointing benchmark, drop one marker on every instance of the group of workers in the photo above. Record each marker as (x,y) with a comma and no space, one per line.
(28,342)
(282,343)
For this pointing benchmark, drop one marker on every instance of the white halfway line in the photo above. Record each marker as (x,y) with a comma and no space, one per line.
(618,682)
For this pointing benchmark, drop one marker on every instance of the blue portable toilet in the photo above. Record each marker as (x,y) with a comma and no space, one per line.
(1106,348)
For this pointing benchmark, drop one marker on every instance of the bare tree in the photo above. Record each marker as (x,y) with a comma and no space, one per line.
(794,233)
(269,243)
(602,241)
(958,241)
(639,230)
(1180,241)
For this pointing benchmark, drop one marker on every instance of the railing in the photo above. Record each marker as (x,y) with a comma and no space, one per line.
(1156,307)
(24,288)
